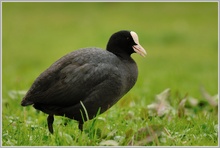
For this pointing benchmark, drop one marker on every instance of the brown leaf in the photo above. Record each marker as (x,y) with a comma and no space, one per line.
(181,107)
(193,101)
(161,106)
(146,135)
(211,99)
(108,143)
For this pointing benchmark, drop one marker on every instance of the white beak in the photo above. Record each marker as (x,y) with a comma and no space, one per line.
(138,48)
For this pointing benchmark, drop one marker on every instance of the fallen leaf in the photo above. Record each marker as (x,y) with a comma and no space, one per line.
(211,99)
(193,101)
(146,135)
(161,106)
(108,143)
(163,95)
(181,107)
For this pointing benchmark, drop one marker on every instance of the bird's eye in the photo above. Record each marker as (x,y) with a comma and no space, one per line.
(127,38)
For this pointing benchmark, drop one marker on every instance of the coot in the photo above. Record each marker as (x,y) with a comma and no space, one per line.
(87,80)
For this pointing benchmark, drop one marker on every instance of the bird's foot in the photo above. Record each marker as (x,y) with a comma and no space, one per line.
(50,120)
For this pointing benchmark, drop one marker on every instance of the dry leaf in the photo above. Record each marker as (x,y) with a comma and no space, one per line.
(211,99)
(108,143)
(161,106)
(193,101)
(147,135)
(181,107)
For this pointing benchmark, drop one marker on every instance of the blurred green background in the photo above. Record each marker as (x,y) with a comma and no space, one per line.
(181,39)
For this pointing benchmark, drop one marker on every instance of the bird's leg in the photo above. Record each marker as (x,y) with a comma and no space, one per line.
(81,126)
(50,120)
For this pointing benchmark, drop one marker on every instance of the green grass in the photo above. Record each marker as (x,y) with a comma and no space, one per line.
(182,44)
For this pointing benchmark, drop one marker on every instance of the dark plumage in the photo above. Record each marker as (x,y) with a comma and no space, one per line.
(93,77)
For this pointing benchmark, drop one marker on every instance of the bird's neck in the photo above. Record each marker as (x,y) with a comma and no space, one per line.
(119,53)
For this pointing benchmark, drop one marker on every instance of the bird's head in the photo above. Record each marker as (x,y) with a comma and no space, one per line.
(124,43)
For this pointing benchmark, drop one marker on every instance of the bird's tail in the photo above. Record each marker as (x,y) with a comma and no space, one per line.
(25,102)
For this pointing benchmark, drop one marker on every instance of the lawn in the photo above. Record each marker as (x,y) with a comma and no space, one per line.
(173,103)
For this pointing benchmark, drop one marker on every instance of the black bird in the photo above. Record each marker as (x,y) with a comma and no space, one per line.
(88,79)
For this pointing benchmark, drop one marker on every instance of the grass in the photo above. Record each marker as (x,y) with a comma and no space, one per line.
(181,39)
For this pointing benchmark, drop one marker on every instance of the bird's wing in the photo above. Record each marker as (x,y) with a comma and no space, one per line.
(69,81)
